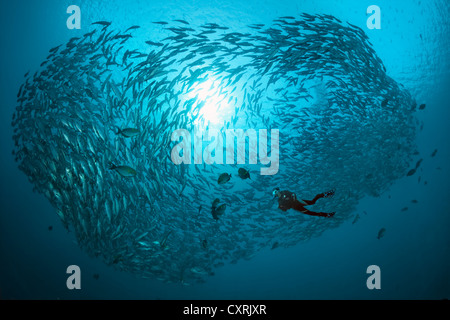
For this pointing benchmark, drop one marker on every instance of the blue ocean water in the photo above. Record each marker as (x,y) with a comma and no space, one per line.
(414,253)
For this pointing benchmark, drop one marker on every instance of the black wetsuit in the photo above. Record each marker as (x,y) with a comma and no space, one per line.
(287,200)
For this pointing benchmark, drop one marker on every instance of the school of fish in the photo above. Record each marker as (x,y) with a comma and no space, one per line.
(92,132)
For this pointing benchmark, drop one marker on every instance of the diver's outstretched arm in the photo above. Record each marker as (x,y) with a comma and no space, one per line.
(313,201)
(319,196)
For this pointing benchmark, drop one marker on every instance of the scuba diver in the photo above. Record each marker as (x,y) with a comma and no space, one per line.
(288,200)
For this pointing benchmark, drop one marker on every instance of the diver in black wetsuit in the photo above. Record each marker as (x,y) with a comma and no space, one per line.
(288,200)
